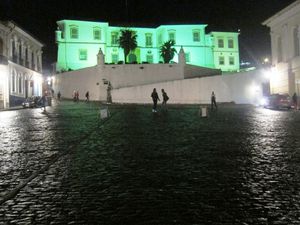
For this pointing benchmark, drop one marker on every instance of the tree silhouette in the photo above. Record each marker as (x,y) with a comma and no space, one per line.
(127,41)
(167,51)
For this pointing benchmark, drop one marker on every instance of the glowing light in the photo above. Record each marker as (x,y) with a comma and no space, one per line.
(263,101)
(266,60)
(254,89)
(267,74)
(275,76)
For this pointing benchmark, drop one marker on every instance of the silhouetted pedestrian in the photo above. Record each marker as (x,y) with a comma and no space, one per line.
(87,96)
(58,95)
(154,97)
(165,98)
(295,101)
(77,96)
(213,101)
(42,101)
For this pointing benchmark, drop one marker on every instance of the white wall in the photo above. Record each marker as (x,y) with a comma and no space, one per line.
(133,84)
(83,80)
(118,75)
(242,88)
(126,75)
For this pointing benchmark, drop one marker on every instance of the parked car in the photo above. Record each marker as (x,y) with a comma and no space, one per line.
(31,102)
(278,101)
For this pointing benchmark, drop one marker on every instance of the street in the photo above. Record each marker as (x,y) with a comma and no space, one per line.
(240,165)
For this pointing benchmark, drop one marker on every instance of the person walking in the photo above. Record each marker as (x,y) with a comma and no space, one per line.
(295,101)
(74,96)
(42,102)
(154,97)
(165,98)
(87,96)
(213,101)
(58,95)
(77,96)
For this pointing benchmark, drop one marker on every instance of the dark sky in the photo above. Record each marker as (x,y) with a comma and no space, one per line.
(39,18)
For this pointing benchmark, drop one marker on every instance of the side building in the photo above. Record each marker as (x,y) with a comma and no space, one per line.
(79,42)
(285,45)
(20,65)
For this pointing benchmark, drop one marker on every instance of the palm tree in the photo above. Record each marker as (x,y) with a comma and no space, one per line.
(127,41)
(167,51)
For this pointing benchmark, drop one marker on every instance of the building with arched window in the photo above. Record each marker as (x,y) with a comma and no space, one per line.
(285,44)
(78,43)
(20,65)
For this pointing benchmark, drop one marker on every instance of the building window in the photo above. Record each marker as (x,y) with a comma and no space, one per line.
(172,35)
(221,60)
(82,54)
(159,39)
(196,36)
(32,61)
(114,38)
(13,82)
(114,58)
(230,43)
(220,43)
(74,32)
(231,60)
(149,58)
(97,33)
(20,84)
(279,49)
(148,40)
(187,57)
(296,42)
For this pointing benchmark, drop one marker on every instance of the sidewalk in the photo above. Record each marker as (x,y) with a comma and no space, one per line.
(12,108)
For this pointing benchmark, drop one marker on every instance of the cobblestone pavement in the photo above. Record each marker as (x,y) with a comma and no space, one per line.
(241,165)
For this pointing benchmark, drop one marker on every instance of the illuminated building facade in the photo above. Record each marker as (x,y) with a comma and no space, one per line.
(20,65)
(79,42)
(285,44)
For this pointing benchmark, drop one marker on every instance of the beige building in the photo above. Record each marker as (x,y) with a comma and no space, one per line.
(20,65)
(285,44)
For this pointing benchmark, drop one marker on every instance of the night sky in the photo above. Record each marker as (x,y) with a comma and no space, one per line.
(39,17)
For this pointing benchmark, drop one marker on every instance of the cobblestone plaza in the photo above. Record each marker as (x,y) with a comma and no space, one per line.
(241,165)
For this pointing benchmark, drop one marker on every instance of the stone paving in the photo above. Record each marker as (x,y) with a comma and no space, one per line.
(241,165)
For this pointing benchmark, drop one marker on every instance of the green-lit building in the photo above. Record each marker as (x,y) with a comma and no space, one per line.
(79,42)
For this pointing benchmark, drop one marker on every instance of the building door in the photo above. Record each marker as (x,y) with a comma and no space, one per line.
(132,58)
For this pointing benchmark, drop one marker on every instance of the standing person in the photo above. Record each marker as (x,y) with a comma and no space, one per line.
(295,101)
(77,96)
(58,95)
(74,96)
(213,101)
(43,101)
(165,98)
(154,97)
(87,96)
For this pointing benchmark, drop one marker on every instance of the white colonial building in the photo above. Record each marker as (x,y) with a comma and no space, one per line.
(285,44)
(20,65)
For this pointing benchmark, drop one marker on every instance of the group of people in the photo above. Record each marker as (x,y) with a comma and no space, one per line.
(76,96)
(155,98)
